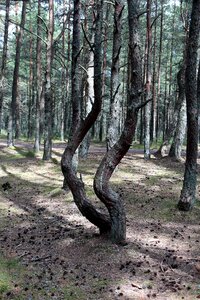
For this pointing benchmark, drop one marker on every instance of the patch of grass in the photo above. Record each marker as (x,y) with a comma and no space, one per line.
(10,270)
(56,192)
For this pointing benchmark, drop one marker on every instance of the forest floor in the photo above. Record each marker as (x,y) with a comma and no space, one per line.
(49,251)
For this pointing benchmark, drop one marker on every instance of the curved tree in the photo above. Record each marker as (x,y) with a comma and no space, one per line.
(113,225)
(188,192)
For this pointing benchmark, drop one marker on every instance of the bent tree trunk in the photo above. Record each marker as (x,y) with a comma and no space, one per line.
(188,192)
(110,198)
(80,129)
(113,225)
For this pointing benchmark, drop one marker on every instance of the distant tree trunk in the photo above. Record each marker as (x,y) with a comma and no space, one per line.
(63,79)
(176,147)
(38,80)
(102,119)
(154,81)
(4,59)
(159,71)
(198,97)
(88,83)
(113,127)
(31,89)
(188,193)
(48,94)
(147,112)
(14,117)
(110,198)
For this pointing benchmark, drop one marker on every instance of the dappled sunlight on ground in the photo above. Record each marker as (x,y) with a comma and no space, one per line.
(60,254)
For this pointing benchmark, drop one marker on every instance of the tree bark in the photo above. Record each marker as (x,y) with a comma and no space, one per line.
(79,130)
(38,80)
(4,59)
(110,198)
(114,123)
(188,193)
(147,110)
(14,116)
(48,94)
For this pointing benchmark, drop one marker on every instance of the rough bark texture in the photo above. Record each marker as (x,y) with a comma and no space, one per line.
(48,94)
(147,112)
(179,116)
(188,193)
(110,198)
(80,130)
(14,118)
(176,147)
(4,59)
(38,81)
(113,127)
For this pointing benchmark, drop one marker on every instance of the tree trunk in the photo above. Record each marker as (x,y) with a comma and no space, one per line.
(113,126)
(48,94)
(30,89)
(38,80)
(176,147)
(88,83)
(147,112)
(4,59)
(188,193)
(14,116)
(159,71)
(110,198)
(79,130)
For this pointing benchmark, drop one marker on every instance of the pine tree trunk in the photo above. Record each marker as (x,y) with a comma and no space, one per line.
(110,198)
(147,111)
(176,147)
(38,80)
(48,94)
(79,131)
(113,126)
(15,114)
(4,59)
(188,193)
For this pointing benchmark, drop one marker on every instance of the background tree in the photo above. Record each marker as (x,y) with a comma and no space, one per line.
(4,59)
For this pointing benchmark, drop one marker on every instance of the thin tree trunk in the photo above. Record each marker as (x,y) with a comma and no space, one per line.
(113,127)
(159,71)
(48,94)
(14,117)
(148,84)
(4,59)
(188,193)
(38,80)
(31,90)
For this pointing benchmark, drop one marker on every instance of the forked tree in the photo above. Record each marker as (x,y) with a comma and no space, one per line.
(113,224)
